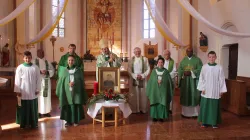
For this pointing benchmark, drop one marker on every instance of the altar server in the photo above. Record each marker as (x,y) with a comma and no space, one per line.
(212,84)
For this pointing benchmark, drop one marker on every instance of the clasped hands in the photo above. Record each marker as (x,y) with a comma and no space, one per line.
(43,72)
(187,73)
(139,77)
(111,58)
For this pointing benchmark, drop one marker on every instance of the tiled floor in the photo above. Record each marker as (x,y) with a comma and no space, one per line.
(139,127)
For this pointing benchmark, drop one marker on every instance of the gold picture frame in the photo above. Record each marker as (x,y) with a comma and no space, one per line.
(109,77)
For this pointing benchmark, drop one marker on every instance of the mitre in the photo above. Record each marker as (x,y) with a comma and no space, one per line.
(103,43)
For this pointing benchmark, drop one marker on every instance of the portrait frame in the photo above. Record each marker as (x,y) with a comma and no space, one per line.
(113,73)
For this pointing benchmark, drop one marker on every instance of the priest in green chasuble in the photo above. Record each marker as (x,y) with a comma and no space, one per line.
(64,59)
(159,91)
(107,58)
(188,73)
(138,69)
(71,93)
(212,84)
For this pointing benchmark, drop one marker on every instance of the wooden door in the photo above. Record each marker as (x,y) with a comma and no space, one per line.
(233,61)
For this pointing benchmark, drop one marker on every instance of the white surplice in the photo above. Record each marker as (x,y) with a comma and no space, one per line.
(172,76)
(44,103)
(138,102)
(27,81)
(212,81)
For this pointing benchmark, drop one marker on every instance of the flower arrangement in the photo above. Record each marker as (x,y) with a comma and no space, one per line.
(107,95)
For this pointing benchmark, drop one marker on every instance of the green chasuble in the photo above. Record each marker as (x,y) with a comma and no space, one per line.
(159,96)
(189,95)
(79,96)
(64,62)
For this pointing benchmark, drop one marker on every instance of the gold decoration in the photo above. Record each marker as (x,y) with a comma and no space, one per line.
(204,48)
(62,49)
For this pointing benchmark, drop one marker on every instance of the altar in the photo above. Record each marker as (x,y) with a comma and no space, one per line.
(9,74)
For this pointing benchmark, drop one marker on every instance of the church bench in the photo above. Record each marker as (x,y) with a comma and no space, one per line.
(235,99)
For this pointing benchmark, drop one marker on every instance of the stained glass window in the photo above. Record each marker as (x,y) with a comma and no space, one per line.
(148,24)
(59,31)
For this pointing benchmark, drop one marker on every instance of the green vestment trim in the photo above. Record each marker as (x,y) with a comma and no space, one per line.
(46,81)
(27,64)
(171,65)
(214,64)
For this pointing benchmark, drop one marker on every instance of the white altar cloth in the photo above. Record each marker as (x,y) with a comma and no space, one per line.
(123,106)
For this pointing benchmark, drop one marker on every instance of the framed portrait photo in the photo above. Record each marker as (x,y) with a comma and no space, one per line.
(109,78)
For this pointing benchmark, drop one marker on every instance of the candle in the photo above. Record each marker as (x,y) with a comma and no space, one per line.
(98,34)
(113,39)
(95,88)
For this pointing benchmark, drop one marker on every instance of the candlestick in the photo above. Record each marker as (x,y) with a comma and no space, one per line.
(113,39)
(98,34)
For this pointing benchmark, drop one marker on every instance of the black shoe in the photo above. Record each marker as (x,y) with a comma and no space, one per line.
(34,126)
(161,120)
(155,120)
(142,112)
(170,112)
(68,124)
(47,115)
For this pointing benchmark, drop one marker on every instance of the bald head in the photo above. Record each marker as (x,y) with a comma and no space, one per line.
(167,54)
(137,51)
(189,52)
(40,53)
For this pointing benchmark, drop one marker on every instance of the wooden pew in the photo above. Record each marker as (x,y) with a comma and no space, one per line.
(235,99)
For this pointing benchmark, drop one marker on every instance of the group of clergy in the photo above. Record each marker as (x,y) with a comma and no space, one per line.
(158,89)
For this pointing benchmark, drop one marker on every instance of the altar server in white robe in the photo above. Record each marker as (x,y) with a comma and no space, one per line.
(46,72)
(212,84)
(138,69)
(27,87)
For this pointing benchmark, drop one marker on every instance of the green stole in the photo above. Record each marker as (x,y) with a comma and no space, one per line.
(46,80)
(140,85)
(170,65)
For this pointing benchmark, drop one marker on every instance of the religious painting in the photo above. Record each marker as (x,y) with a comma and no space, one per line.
(150,51)
(104,21)
(109,78)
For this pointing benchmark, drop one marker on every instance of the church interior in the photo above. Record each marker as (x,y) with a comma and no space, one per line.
(151,25)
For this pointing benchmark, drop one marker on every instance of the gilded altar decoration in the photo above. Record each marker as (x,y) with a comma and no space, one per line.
(104,21)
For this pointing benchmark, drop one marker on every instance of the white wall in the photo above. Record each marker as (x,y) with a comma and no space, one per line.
(72,30)
(136,27)
(224,11)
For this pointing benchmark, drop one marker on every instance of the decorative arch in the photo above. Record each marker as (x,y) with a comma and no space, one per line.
(228,25)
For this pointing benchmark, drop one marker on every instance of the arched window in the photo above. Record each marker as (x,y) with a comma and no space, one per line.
(148,24)
(59,31)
